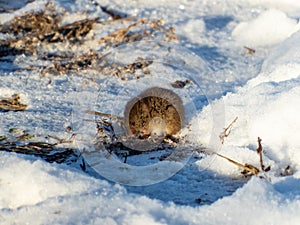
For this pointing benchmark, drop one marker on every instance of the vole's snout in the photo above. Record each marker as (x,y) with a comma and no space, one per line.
(157,127)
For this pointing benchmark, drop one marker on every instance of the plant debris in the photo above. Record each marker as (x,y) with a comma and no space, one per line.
(44,26)
(259,150)
(248,169)
(137,31)
(107,140)
(250,51)
(287,171)
(114,14)
(226,131)
(12,103)
(139,64)
(180,83)
(36,33)
(69,64)
(50,152)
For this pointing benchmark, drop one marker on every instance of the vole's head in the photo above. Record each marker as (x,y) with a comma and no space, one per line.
(156,112)
(157,127)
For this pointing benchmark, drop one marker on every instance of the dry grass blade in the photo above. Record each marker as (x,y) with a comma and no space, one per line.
(12,104)
(63,140)
(103,114)
(247,168)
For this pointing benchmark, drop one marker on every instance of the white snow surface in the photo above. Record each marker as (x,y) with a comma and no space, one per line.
(269,28)
(262,90)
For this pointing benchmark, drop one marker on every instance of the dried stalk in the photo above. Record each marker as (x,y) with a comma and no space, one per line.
(225,133)
(250,51)
(259,150)
(248,168)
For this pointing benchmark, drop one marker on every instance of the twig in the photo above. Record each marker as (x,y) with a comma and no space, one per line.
(250,51)
(225,133)
(62,140)
(259,151)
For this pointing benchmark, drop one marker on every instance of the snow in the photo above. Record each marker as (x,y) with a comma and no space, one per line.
(93,201)
(271,27)
(261,89)
(289,6)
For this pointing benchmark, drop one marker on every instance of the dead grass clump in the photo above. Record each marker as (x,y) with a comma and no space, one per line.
(12,103)
(38,33)
(39,23)
(73,32)
(48,152)
(249,169)
(142,29)
(69,63)
(45,25)
(18,142)
(33,28)
(120,71)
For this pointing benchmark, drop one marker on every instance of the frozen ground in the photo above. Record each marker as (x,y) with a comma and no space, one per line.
(261,89)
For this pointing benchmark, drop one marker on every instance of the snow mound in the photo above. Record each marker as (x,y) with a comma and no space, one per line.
(267,107)
(241,155)
(259,198)
(269,28)
(73,198)
(285,55)
(28,181)
(192,30)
